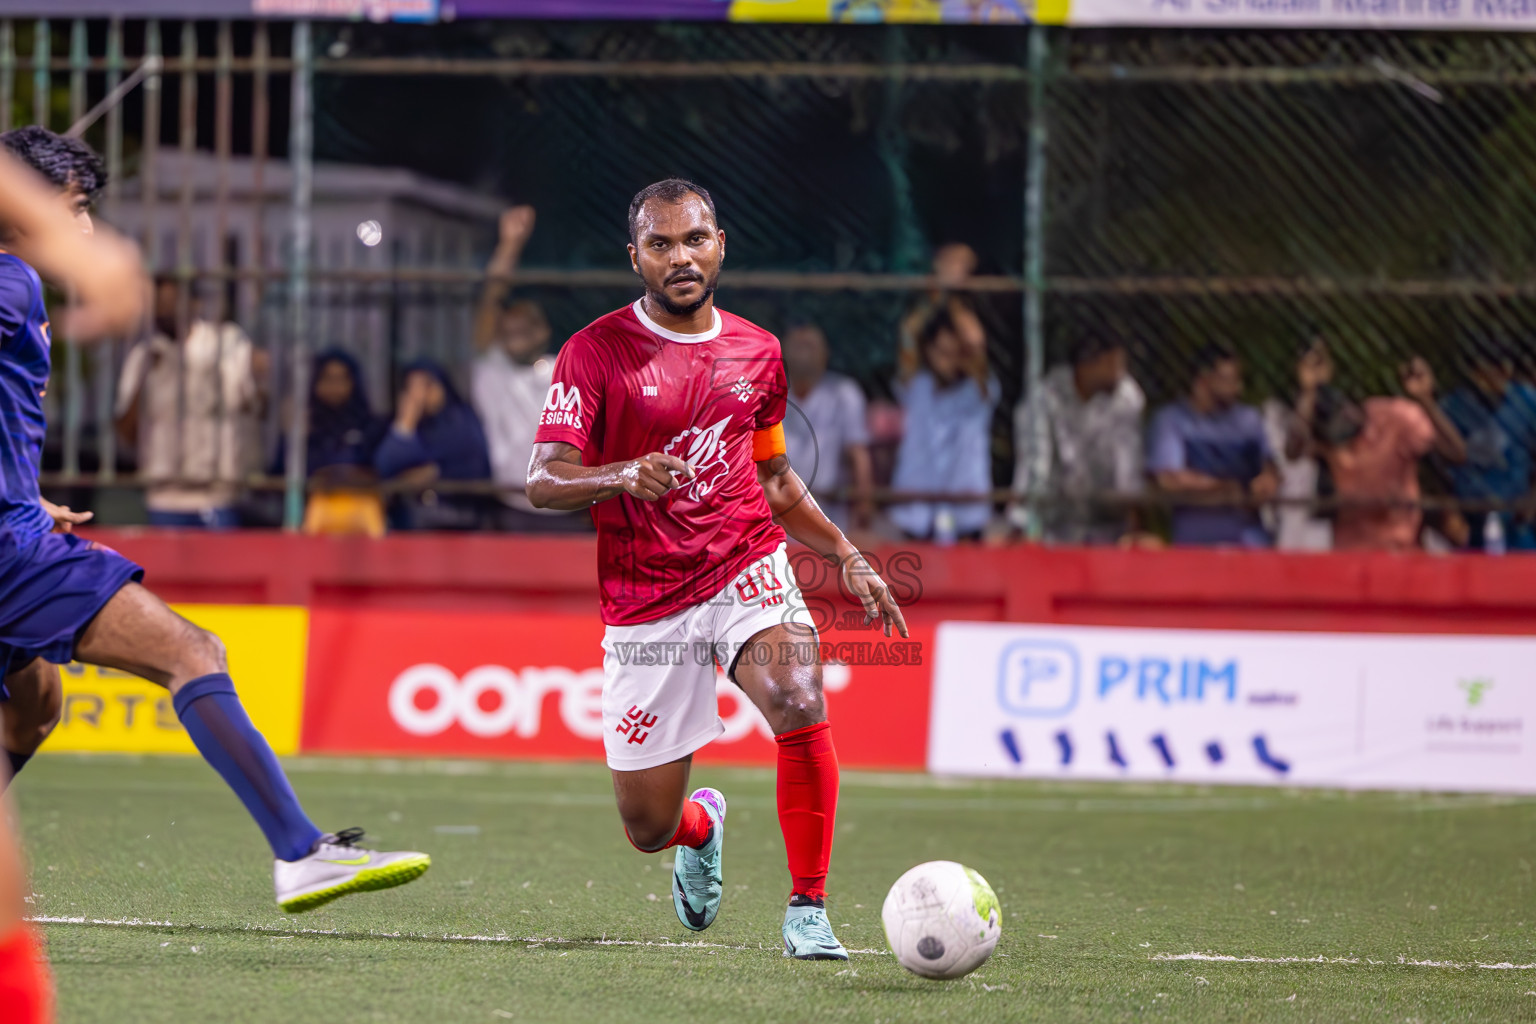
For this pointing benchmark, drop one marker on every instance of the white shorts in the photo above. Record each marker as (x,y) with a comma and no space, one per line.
(659,701)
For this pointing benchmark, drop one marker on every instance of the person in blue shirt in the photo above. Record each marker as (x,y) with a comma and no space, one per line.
(1496,414)
(946,446)
(435,436)
(1210,454)
(64,598)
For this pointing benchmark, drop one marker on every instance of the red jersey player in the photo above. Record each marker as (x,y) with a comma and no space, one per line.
(665,418)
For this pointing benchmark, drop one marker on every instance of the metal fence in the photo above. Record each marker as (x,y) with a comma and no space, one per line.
(1179,188)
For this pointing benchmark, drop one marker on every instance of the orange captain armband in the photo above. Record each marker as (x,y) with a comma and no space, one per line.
(768,443)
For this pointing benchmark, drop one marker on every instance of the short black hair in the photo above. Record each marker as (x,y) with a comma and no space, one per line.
(1091,346)
(1489,348)
(671,190)
(65,162)
(1213,354)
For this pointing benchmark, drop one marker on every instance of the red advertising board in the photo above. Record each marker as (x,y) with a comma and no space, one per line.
(512,685)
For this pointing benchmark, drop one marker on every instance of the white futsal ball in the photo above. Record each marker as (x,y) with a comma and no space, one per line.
(942,920)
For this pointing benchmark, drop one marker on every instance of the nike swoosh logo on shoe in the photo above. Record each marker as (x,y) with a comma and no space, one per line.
(354,862)
(695,917)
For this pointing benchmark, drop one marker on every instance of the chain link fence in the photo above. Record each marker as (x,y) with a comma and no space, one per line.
(1257,189)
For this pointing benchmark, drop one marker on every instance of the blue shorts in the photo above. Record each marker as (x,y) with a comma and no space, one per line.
(50,590)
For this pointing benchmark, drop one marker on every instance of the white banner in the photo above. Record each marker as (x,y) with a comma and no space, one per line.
(1472,15)
(1368,711)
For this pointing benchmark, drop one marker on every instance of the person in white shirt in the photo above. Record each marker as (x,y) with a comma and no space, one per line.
(510,379)
(1295,521)
(1090,448)
(191,407)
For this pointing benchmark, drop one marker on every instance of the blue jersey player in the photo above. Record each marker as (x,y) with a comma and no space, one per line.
(63,597)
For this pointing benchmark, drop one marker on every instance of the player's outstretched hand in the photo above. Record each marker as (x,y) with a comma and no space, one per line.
(109,288)
(651,476)
(871,591)
(104,270)
(64,518)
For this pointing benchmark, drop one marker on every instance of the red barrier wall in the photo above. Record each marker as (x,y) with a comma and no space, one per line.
(488,646)
(1186,588)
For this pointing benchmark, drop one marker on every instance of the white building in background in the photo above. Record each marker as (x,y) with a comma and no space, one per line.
(420,223)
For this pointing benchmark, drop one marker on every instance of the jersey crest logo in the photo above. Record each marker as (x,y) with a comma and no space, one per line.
(562,406)
(703,448)
(742,389)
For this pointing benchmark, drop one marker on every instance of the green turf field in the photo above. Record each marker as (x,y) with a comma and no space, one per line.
(537,910)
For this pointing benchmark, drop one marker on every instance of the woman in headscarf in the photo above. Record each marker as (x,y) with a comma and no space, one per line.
(435,436)
(343,430)
(343,434)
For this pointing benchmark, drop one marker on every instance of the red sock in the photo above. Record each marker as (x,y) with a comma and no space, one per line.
(26,994)
(692,830)
(808,805)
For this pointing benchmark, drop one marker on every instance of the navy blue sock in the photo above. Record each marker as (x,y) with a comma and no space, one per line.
(223,734)
(18,761)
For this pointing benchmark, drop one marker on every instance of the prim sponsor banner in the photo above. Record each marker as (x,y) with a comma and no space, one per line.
(1448,15)
(114,712)
(513,685)
(1367,711)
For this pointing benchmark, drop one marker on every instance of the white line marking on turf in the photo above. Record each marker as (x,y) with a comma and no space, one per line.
(134,922)
(1227,958)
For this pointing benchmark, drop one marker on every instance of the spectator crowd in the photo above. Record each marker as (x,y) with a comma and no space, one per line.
(1313,468)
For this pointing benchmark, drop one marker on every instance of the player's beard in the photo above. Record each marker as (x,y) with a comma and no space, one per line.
(683,309)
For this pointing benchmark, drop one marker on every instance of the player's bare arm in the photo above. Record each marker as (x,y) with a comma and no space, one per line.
(558,480)
(797,512)
(54,233)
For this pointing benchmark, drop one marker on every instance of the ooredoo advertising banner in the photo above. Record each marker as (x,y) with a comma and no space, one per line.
(510,685)
(1369,711)
(107,711)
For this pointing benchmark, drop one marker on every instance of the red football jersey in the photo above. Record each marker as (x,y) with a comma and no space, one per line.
(625,387)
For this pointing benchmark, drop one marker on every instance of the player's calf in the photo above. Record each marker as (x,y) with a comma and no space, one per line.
(139,633)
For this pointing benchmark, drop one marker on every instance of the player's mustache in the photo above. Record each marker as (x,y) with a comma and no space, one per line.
(685,275)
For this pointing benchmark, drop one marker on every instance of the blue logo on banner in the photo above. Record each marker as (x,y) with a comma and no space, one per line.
(1038,678)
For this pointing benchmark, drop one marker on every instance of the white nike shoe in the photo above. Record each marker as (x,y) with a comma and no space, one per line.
(338,866)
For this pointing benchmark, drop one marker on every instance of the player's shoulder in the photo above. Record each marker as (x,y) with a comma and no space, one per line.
(600,339)
(742,329)
(17,277)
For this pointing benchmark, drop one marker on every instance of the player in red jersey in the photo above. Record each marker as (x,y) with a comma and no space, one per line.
(665,418)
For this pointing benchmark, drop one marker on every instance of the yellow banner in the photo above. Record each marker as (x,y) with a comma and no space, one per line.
(974,12)
(113,712)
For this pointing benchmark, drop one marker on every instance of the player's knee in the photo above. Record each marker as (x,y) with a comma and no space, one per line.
(648,833)
(25,734)
(28,722)
(795,706)
(648,837)
(205,653)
